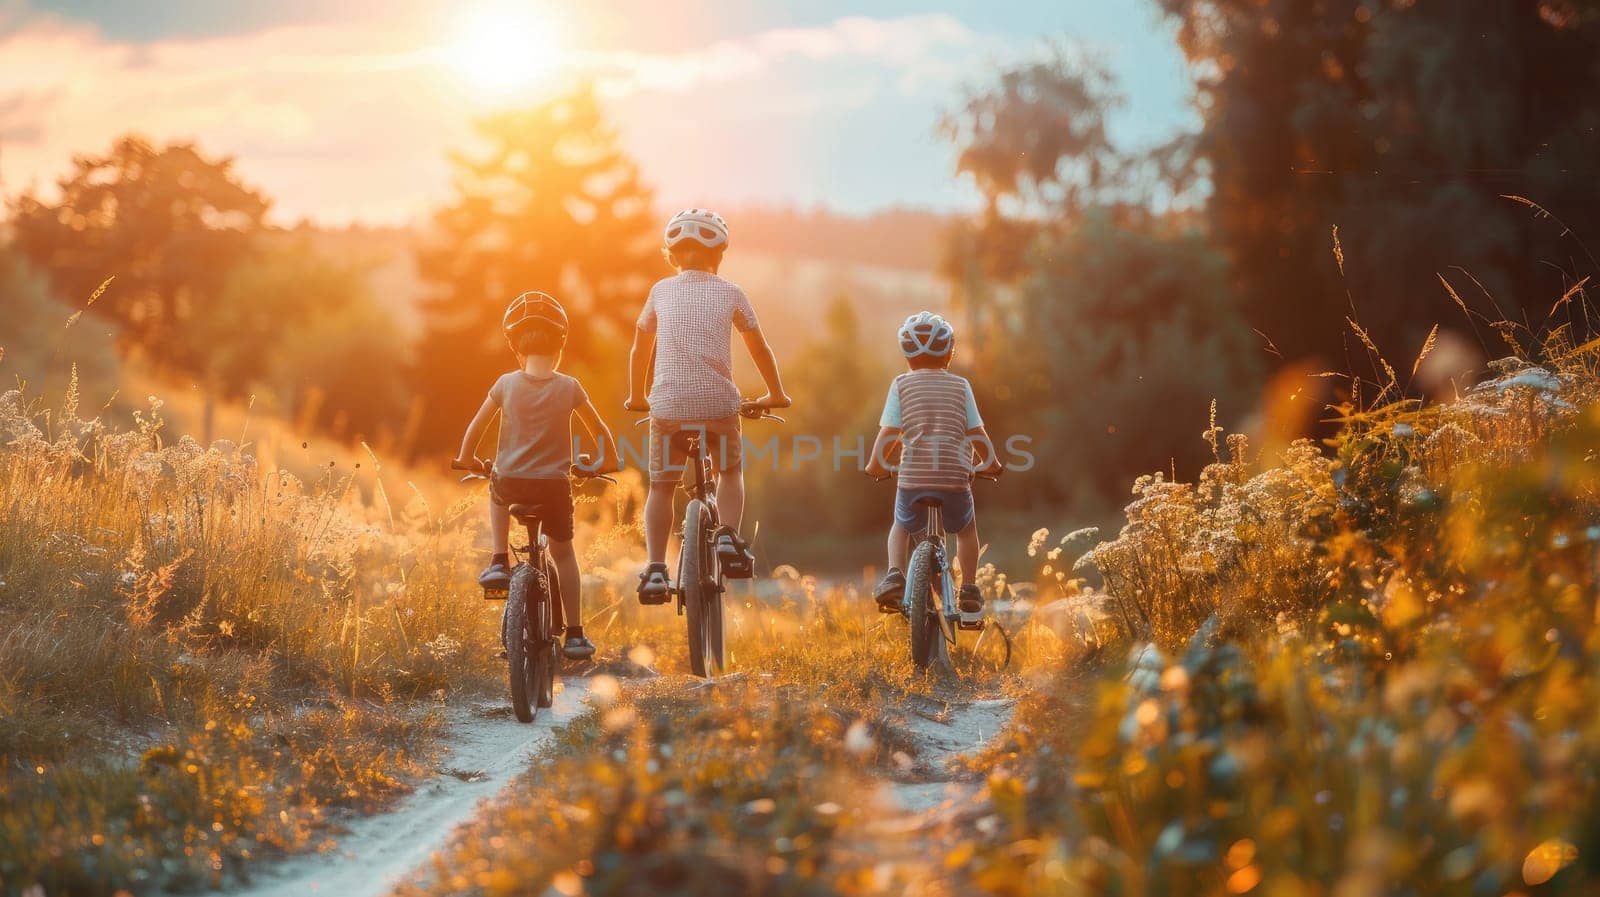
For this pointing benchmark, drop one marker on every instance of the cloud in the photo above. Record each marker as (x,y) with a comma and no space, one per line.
(935,47)
(352,119)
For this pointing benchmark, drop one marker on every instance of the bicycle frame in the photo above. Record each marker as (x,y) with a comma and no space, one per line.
(537,555)
(947,588)
(704,484)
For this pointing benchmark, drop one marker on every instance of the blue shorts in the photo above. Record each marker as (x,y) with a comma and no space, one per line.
(958,511)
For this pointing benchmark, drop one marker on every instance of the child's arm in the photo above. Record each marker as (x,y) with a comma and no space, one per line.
(761,353)
(608,459)
(882,448)
(987,459)
(889,426)
(644,343)
(474,434)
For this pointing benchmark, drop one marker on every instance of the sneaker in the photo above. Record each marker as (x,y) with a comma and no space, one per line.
(654,586)
(970,600)
(495,578)
(578,647)
(737,561)
(891,593)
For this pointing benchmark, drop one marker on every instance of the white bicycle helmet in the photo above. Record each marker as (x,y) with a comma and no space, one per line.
(700,225)
(925,333)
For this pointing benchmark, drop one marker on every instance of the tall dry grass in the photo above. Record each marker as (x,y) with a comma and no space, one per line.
(199,657)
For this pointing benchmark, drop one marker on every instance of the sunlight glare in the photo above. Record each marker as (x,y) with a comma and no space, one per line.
(505,48)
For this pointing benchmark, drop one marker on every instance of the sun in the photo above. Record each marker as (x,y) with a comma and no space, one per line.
(505,49)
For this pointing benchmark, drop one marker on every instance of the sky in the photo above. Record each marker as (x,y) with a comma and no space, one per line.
(347,110)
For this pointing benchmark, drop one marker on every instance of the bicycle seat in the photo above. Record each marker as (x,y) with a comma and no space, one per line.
(929,501)
(524,513)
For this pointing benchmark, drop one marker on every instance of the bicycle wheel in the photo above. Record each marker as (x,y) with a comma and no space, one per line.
(702,598)
(547,634)
(988,652)
(923,605)
(543,634)
(522,650)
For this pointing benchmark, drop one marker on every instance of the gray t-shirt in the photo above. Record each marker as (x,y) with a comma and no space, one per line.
(535,424)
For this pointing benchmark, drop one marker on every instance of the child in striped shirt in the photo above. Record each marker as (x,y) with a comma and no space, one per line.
(933,415)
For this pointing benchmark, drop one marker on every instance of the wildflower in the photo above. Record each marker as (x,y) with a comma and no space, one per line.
(858,738)
(1037,540)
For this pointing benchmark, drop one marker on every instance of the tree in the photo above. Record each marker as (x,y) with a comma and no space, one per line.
(552,204)
(1402,122)
(168,223)
(1108,329)
(1117,342)
(43,344)
(839,384)
(338,360)
(1035,144)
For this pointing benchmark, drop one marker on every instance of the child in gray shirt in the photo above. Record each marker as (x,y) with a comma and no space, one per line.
(534,457)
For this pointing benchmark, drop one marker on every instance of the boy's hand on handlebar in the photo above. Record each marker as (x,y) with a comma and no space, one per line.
(475,465)
(781,400)
(992,472)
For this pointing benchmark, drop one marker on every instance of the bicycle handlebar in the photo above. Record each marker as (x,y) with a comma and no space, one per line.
(991,477)
(479,469)
(749,409)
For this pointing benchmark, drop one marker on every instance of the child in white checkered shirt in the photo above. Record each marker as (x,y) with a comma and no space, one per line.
(687,323)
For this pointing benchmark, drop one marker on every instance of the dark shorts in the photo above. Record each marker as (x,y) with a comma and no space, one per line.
(552,500)
(958,510)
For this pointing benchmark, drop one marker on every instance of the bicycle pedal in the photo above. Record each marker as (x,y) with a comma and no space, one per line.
(735,565)
(888,610)
(652,599)
(971,623)
(496,594)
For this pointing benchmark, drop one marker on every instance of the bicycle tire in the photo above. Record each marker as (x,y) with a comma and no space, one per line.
(989,651)
(702,602)
(546,635)
(919,589)
(521,649)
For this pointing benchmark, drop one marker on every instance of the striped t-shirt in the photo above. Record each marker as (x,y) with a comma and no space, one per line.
(933,409)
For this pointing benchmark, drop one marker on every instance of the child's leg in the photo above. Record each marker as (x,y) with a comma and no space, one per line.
(658,520)
(967,549)
(569,582)
(500,527)
(899,547)
(730,497)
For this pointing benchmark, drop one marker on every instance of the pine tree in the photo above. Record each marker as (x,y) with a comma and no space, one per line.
(551,204)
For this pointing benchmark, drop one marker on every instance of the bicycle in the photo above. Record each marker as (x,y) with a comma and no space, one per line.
(532,618)
(927,575)
(701,583)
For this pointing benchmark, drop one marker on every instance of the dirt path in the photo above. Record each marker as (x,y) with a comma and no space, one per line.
(928,809)
(486,746)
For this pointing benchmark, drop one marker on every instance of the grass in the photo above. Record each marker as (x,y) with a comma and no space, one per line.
(205,661)
(1366,667)
(1367,673)
(768,781)
(200,657)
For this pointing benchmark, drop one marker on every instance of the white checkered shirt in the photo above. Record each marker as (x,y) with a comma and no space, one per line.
(693,316)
